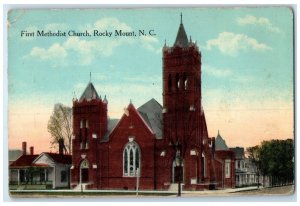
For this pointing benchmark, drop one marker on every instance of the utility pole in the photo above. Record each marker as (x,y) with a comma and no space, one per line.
(137,180)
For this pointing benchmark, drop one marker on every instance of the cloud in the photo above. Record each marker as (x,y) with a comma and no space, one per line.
(226,73)
(85,50)
(107,23)
(150,43)
(231,44)
(56,51)
(262,21)
(210,70)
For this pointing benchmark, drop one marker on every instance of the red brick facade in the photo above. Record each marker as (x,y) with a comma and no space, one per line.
(106,156)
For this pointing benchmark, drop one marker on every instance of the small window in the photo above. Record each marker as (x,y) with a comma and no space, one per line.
(204,164)
(63,176)
(177,81)
(86,124)
(84,164)
(185,82)
(81,124)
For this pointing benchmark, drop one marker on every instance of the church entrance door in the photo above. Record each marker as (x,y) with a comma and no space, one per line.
(177,173)
(84,171)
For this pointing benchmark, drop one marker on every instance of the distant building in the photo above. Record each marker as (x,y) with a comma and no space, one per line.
(226,159)
(44,171)
(14,154)
(245,170)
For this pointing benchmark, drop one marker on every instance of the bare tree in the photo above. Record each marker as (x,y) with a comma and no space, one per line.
(60,126)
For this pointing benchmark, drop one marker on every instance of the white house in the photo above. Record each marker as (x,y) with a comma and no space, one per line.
(44,171)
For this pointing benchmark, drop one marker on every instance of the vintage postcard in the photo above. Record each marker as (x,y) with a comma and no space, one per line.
(151,102)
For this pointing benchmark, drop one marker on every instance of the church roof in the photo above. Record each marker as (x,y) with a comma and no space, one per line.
(220,143)
(181,39)
(111,124)
(89,92)
(151,112)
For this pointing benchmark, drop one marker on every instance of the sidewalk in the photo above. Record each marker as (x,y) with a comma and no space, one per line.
(133,192)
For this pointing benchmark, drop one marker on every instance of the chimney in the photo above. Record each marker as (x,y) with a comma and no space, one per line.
(31,150)
(61,146)
(24,145)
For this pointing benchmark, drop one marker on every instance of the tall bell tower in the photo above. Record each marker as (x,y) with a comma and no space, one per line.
(182,89)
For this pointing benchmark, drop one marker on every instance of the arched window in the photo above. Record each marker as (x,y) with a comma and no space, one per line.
(204,164)
(177,81)
(84,164)
(131,159)
(185,82)
(170,83)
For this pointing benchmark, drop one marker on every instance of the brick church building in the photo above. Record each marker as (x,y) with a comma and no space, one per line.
(160,144)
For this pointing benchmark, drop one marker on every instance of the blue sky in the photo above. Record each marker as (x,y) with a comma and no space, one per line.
(247,65)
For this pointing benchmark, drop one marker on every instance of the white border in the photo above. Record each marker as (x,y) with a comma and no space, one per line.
(130,4)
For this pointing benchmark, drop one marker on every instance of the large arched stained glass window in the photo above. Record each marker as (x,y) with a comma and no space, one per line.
(131,159)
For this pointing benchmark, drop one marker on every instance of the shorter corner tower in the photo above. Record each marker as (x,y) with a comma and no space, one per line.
(89,126)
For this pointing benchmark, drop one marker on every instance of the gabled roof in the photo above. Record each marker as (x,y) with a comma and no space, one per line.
(89,92)
(130,108)
(181,38)
(220,143)
(151,112)
(24,161)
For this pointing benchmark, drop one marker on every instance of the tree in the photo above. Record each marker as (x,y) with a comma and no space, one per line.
(254,156)
(277,160)
(274,158)
(60,126)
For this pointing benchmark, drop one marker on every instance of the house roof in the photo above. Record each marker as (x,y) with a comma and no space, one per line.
(238,151)
(60,158)
(89,92)
(220,143)
(181,38)
(151,112)
(23,161)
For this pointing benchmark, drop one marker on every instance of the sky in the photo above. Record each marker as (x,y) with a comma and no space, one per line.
(247,67)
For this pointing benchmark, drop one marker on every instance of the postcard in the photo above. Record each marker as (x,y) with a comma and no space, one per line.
(151,102)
